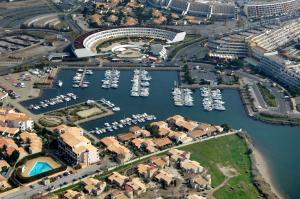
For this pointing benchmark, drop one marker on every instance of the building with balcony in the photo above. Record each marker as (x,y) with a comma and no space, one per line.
(264,9)
(85,45)
(76,148)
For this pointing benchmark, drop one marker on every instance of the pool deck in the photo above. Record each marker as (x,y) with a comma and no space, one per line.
(30,164)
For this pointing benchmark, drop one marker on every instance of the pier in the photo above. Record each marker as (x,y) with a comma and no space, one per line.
(82,77)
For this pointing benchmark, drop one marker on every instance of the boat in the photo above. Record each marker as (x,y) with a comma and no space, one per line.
(212,99)
(89,72)
(75,86)
(59,83)
(116,109)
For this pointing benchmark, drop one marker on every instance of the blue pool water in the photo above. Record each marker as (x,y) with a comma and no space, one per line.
(40,167)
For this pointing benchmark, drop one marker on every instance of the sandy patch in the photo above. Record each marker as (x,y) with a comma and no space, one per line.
(263,168)
(228,171)
(89,112)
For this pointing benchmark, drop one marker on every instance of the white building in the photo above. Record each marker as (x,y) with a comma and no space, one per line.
(208,9)
(12,119)
(260,9)
(264,48)
(85,45)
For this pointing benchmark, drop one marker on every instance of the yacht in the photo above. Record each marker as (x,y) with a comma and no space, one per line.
(89,72)
(212,99)
(140,83)
(84,85)
(59,83)
(116,109)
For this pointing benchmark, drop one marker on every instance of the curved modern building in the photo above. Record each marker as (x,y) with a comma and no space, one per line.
(85,45)
(259,9)
(207,9)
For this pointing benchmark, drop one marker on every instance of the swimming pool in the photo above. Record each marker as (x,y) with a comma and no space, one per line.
(40,167)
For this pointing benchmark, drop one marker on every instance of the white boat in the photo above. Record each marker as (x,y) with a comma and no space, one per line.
(59,83)
(115,109)
(89,72)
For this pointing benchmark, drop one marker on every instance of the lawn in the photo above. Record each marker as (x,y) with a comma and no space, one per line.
(229,151)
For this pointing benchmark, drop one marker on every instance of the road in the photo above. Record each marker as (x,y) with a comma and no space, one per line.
(13,18)
(27,192)
(187,52)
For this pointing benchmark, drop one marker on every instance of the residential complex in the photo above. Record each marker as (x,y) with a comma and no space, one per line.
(216,10)
(122,154)
(263,45)
(272,39)
(76,147)
(85,45)
(228,47)
(8,146)
(281,69)
(276,8)
(34,142)
(12,122)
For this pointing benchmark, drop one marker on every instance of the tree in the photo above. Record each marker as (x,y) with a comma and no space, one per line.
(225,127)
(153,129)
(14,156)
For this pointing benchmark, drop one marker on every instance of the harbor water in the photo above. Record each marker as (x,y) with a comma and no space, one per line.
(278,144)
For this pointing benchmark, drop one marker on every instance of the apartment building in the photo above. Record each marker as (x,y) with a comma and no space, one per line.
(216,9)
(16,121)
(272,39)
(35,143)
(228,47)
(284,71)
(85,45)
(120,152)
(262,9)
(8,146)
(265,46)
(76,148)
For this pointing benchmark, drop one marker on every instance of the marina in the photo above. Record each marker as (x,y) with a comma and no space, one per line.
(111,79)
(212,99)
(110,105)
(79,78)
(53,101)
(182,97)
(128,121)
(275,142)
(140,83)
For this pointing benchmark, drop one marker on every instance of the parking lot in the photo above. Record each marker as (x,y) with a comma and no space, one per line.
(11,43)
(203,72)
